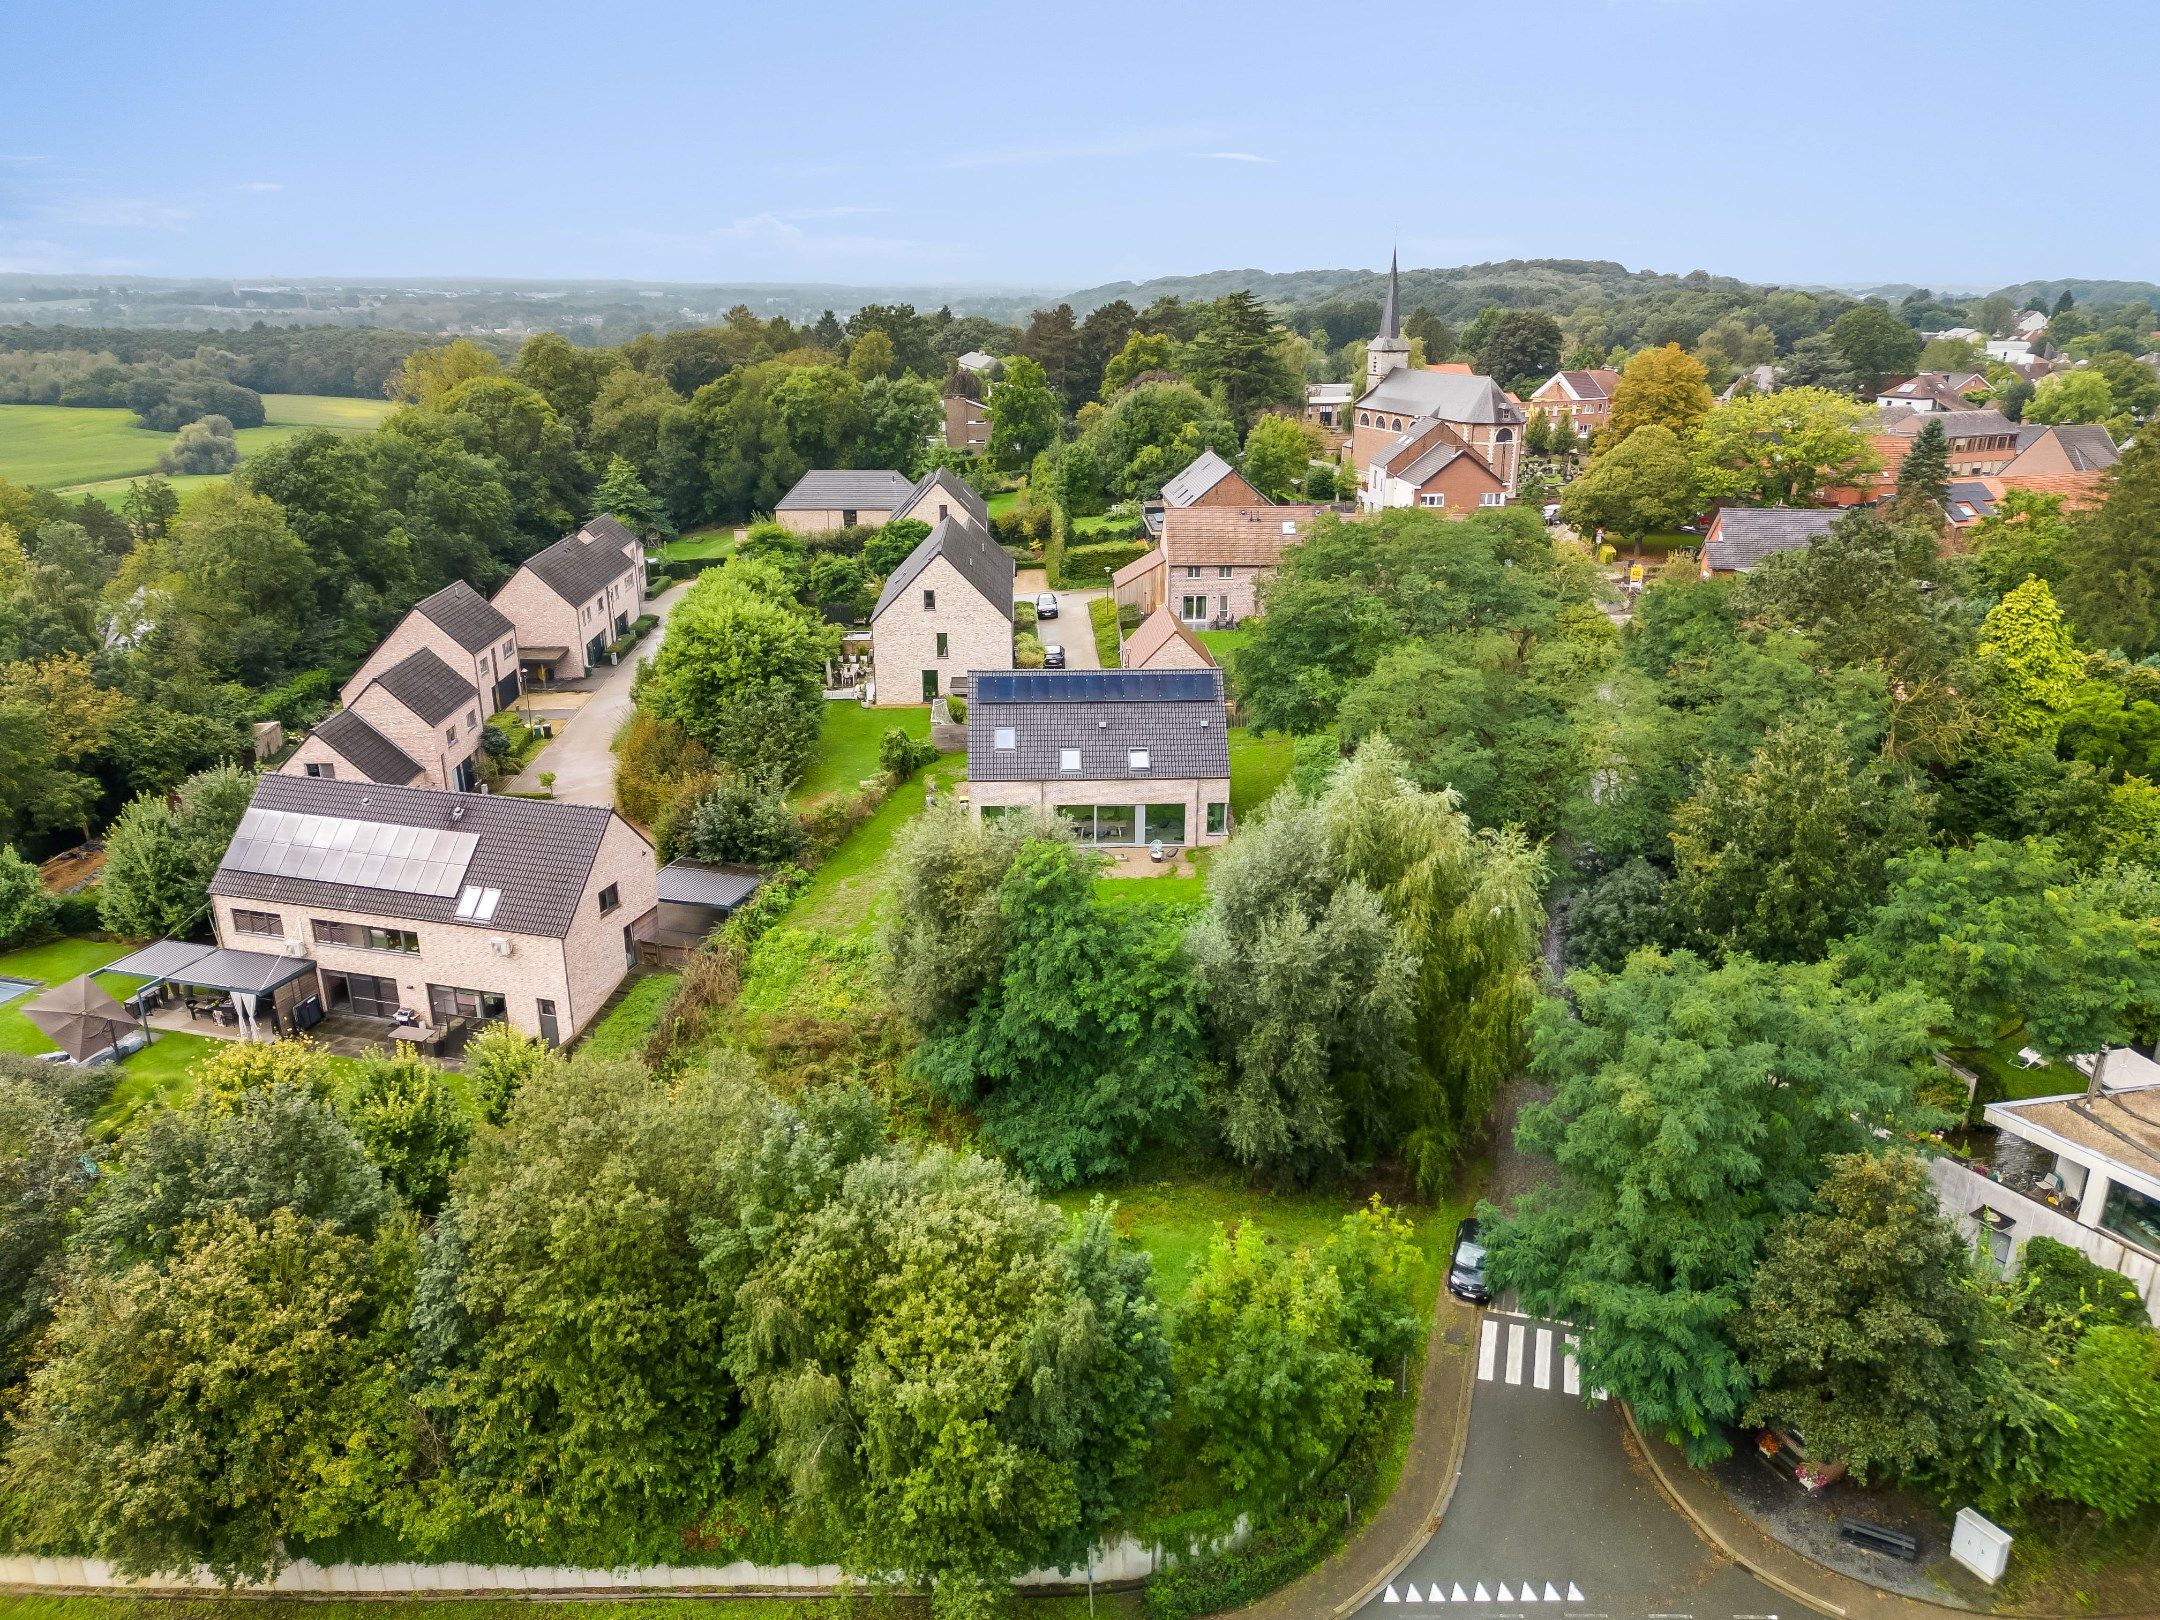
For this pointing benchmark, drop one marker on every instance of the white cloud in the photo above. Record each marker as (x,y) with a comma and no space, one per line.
(260,185)
(1234,157)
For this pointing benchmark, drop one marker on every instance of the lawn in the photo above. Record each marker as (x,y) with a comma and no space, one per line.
(1102,613)
(841,895)
(96,450)
(1999,1063)
(848,741)
(1258,766)
(621,1031)
(1086,528)
(1222,643)
(702,545)
(999,505)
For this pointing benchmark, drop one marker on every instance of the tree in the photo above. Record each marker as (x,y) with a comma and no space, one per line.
(1618,914)
(1083,1045)
(622,494)
(1782,449)
(412,1124)
(429,374)
(1024,414)
(1264,1369)
(1875,344)
(1645,482)
(1521,349)
(2111,576)
(1676,1160)
(1859,1329)
(1306,991)
(233,571)
(1236,355)
(2033,661)
(149,506)
(2071,396)
(1051,340)
(1923,480)
(1423,326)
(1665,388)
(1785,853)
(2008,934)
(943,937)
(26,910)
(743,672)
(1278,450)
(744,822)
(1143,352)
(871,355)
(498,1061)
(1150,433)
(517,428)
(901,416)
(46,1168)
(205,445)
(2112,1397)
(159,857)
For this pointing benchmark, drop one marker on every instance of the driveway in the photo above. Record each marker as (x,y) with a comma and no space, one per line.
(579,755)
(1072,629)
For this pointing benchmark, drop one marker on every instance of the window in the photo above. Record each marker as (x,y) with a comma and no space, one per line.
(1364,419)
(450,733)
(941,647)
(1068,759)
(472,718)
(1434,499)
(1113,824)
(509,649)
(365,936)
(2129,1214)
(1493,497)
(1193,609)
(929,601)
(1165,822)
(1136,759)
(448,1001)
(325,770)
(1003,737)
(610,898)
(1225,571)
(1192,571)
(364,993)
(261,924)
(847,517)
(943,511)
(1218,818)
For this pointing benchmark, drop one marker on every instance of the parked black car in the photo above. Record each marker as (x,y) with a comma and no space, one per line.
(1466,1265)
(1053,656)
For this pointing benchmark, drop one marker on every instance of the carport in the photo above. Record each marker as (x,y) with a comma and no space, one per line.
(695,898)
(246,978)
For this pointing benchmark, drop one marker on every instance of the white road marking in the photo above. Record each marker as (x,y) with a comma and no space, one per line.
(1550,1595)
(1410,1593)
(1529,1591)
(1391,1595)
(1505,1595)
(1570,1372)
(1488,1346)
(1483,1596)
(1541,1369)
(1460,1597)
(1574,1593)
(1515,1337)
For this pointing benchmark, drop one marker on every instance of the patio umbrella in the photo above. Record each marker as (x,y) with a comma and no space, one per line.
(79,1017)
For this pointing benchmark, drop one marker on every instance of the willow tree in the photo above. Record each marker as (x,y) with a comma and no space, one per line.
(1467,904)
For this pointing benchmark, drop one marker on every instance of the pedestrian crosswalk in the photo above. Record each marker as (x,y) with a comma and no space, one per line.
(1509,1348)
(1482,1592)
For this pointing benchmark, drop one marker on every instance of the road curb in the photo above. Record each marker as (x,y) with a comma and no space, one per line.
(1422,1532)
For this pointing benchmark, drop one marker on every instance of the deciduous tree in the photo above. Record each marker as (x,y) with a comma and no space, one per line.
(1781,449)
(1645,482)
(1665,387)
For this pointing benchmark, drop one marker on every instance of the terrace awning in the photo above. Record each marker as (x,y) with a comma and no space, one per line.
(210,967)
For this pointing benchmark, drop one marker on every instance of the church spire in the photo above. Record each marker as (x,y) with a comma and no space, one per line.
(1390,324)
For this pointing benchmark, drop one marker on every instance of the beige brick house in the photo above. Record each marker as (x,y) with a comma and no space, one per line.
(1159,641)
(461,910)
(569,602)
(843,498)
(461,628)
(1123,757)
(942,494)
(1207,480)
(415,723)
(946,610)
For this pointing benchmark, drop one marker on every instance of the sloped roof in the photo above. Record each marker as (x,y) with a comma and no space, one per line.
(1450,396)
(987,566)
(845,489)
(1241,536)
(578,569)
(1206,470)
(426,685)
(1157,631)
(695,883)
(1939,387)
(465,616)
(2088,447)
(538,853)
(1597,382)
(1141,566)
(613,530)
(1964,424)
(1742,536)
(1177,715)
(368,751)
(957,489)
(1969,500)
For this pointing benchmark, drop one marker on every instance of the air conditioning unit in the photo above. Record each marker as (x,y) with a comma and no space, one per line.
(499,945)
(296,947)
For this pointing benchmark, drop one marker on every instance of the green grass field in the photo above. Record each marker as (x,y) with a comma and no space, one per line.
(1222,643)
(96,451)
(840,897)
(623,1029)
(701,545)
(1258,766)
(848,746)
(1102,614)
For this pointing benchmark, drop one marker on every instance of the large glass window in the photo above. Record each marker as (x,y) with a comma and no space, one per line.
(363,937)
(1081,819)
(448,1001)
(1166,822)
(2130,1215)
(261,924)
(361,993)
(1218,818)
(1113,824)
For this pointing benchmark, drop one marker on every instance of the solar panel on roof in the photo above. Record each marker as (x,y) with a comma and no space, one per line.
(1097,686)
(365,854)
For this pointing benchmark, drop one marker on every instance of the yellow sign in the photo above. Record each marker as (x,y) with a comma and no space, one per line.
(1634,573)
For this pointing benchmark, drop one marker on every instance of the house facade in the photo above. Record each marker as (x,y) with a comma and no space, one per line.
(967,423)
(946,611)
(941,494)
(571,601)
(1214,557)
(1981,443)
(1160,641)
(416,723)
(464,630)
(826,498)
(2061,450)
(1583,398)
(1934,391)
(1123,758)
(460,910)
(1429,466)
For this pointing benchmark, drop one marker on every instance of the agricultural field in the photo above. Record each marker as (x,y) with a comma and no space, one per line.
(87,451)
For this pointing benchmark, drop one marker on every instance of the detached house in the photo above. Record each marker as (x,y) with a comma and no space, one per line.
(843,499)
(1122,757)
(396,904)
(941,494)
(1740,537)
(967,422)
(1160,641)
(571,601)
(1981,442)
(1207,567)
(2061,450)
(946,610)
(1934,391)
(1430,466)
(1583,398)
(1207,480)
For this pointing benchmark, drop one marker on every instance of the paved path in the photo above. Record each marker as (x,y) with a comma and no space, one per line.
(1556,1514)
(1072,629)
(579,754)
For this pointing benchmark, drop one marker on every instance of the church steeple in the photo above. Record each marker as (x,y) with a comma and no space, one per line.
(1388,351)
(1390,324)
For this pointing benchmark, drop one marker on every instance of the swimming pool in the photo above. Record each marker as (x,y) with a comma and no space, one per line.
(11,988)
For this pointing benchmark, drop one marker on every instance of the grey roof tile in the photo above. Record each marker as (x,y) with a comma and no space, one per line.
(368,751)
(1449,395)
(577,569)
(980,560)
(843,489)
(465,616)
(427,686)
(537,852)
(1177,715)
(613,530)
(1745,535)
(958,492)
(1205,471)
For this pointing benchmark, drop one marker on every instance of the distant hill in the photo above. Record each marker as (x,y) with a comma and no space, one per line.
(1271,286)
(2042,294)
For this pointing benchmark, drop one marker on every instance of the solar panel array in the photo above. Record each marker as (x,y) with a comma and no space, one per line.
(364,854)
(1096,686)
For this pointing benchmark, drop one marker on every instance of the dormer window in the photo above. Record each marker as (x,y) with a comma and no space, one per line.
(1004,737)
(1136,759)
(1068,759)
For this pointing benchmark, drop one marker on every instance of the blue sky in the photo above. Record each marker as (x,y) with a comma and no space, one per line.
(1056,147)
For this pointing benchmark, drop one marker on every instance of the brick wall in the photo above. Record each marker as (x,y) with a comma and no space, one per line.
(544,619)
(903,639)
(816,520)
(314,751)
(594,945)
(1194,793)
(438,750)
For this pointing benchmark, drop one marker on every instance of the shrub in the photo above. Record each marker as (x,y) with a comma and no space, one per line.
(2059,1288)
(740,822)
(900,756)
(1092,564)
(411,1123)
(300,702)
(498,1061)
(203,446)
(77,913)
(1027,650)
(889,547)
(957,708)
(27,912)
(228,1076)
(1320,484)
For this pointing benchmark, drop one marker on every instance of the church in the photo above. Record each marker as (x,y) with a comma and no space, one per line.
(1404,402)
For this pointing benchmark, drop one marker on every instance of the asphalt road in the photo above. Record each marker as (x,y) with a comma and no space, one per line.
(1554,1517)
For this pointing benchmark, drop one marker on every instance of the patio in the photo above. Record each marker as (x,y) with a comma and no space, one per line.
(342,1034)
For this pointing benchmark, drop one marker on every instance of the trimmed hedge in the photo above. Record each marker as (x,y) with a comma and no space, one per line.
(1083,567)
